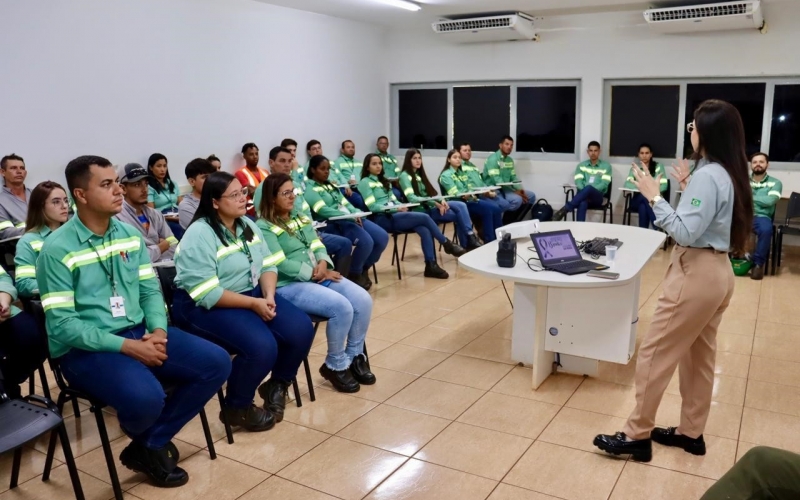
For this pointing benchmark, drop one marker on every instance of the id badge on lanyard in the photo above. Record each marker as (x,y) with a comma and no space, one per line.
(255,273)
(312,258)
(343,209)
(591,179)
(117,304)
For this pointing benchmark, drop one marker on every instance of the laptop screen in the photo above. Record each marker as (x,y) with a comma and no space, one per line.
(555,247)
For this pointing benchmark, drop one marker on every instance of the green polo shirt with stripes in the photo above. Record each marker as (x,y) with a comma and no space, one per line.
(390,169)
(598,176)
(345,168)
(7,286)
(499,168)
(28,249)
(325,200)
(74,272)
(295,239)
(454,182)
(207,266)
(376,196)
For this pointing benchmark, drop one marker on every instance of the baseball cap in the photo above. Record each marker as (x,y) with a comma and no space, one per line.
(131,172)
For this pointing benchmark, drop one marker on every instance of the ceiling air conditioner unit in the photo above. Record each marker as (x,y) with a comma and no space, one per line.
(500,28)
(707,17)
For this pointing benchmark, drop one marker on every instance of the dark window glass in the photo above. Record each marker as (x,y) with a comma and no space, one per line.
(784,143)
(748,98)
(481,116)
(423,118)
(546,119)
(644,113)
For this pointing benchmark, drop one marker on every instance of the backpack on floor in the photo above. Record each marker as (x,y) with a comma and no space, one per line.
(542,211)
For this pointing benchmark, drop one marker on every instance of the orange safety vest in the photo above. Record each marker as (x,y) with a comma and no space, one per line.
(251,178)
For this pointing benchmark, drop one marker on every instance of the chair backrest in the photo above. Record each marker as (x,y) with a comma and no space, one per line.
(8,250)
(166,279)
(609,190)
(33,306)
(793,210)
(667,193)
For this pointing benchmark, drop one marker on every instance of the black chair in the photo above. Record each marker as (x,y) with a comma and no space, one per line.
(8,249)
(606,206)
(792,212)
(24,420)
(443,229)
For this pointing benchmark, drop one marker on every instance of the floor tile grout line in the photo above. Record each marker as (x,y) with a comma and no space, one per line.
(747,382)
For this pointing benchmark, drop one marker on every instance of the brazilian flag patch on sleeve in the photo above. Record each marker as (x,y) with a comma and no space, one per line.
(695,202)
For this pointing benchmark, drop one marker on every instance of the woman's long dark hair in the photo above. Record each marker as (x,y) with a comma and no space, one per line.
(313,164)
(381,176)
(151,179)
(447,161)
(721,133)
(653,163)
(407,168)
(272,186)
(36,219)
(213,188)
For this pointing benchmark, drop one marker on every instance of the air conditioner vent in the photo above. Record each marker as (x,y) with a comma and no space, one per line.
(473,24)
(702,12)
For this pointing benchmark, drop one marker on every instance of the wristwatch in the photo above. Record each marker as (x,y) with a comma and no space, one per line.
(655,200)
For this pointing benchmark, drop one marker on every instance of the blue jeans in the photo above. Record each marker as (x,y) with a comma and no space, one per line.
(355,199)
(175,227)
(348,308)
(498,200)
(515,200)
(586,198)
(336,246)
(420,223)
(195,367)
(762,226)
(491,216)
(370,242)
(459,214)
(646,216)
(259,347)
(23,348)
(399,194)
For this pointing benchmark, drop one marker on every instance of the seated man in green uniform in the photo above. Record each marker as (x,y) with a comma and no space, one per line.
(592,178)
(766,193)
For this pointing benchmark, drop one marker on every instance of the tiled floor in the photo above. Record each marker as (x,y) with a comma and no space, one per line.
(452,417)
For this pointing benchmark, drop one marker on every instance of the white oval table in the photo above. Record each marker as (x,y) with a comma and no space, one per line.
(583,319)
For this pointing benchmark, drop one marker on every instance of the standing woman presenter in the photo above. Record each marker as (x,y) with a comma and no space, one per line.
(714,217)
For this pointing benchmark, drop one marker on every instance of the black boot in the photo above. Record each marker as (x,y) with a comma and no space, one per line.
(640,450)
(341,380)
(252,419)
(274,392)
(161,466)
(473,242)
(757,273)
(365,275)
(360,370)
(432,270)
(560,214)
(359,280)
(451,248)
(668,437)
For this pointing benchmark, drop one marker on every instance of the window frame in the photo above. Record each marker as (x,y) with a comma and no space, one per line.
(394,126)
(683,83)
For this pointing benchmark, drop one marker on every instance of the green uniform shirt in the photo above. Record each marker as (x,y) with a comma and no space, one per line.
(408,190)
(659,171)
(499,168)
(376,197)
(7,285)
(206,266)
(74,272)
(295,245)
(474,179)
(345,168)
(164,199)
(28,248)
(765,196)
(389,165)
(299,174)
(301,207)
(327,201)
(597,176)
(454,182)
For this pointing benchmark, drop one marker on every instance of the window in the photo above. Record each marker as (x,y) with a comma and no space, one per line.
(423,118)
(644,113)
(481,116)
(785,136)
(748,98)
(546,119)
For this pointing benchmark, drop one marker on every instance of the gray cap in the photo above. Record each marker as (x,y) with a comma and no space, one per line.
(131,172)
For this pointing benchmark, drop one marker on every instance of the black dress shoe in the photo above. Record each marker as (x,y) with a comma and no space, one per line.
(274,393)
(360,280)
(341,380)
(252,419)
(640,450)
(668,437)
(453,249)
(432,270)
(360,370)
(365,275)
(560,214)
(473,242)
(159,465)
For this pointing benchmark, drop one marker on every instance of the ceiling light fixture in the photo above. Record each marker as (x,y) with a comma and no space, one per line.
(403,4)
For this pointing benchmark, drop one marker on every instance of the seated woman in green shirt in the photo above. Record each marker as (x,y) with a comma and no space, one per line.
(163,194)
(378,197)
(226,279)
(306,278)
(416,187)
(48,209)
(639,203)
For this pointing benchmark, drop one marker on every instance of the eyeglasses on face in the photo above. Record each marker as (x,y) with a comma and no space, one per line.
(289,193)
(236,195)
(58,202)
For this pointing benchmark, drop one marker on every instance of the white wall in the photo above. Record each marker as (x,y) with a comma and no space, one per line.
(593,48)
(187,78)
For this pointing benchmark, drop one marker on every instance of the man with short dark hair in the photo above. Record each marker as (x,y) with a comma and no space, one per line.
(766,194)
(592,178)
(107,326)
(499,169)
(196,172)
(291,146)
(251,175)
(346,171)
(150,222)
(13,197)
(313,148)
(390,168)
